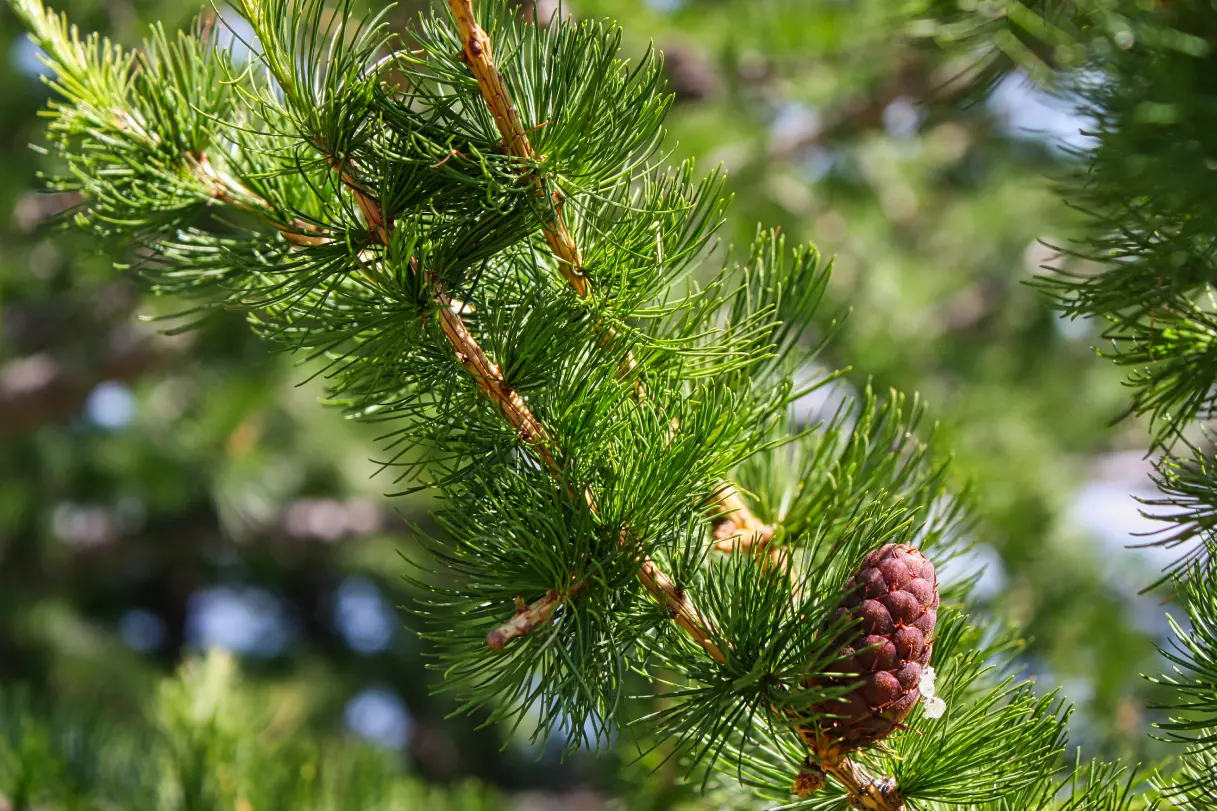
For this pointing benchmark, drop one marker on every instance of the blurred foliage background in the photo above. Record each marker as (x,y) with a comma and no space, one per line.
(161,494)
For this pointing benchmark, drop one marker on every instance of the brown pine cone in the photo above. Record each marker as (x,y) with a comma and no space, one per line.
(894,600)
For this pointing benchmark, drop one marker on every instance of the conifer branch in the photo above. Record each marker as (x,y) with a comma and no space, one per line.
(489,378)
(226,189)
(735,527)
(485,372)
(478,54)
(360,166)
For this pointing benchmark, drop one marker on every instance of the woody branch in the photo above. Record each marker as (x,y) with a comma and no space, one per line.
(735,527)
(489,378)
(732,518)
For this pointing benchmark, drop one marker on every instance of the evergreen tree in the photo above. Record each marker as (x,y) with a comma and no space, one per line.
(470,225)
(207,741)
(1147,191)
(1144,269)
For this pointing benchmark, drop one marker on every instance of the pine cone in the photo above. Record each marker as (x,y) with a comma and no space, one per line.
(894,600)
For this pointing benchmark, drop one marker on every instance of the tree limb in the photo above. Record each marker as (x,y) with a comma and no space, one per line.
(735,527)
(479,55)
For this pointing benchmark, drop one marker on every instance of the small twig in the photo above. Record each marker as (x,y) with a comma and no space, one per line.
(370,207)
(486,373)
(536,613)
(865,790)
(225,188)
(479,55)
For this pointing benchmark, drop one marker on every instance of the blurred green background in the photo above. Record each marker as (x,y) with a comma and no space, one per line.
(161,495)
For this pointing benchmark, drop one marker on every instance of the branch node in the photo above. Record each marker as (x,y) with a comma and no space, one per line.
(808,781)
(865,791)
(526,618)
(735,528)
